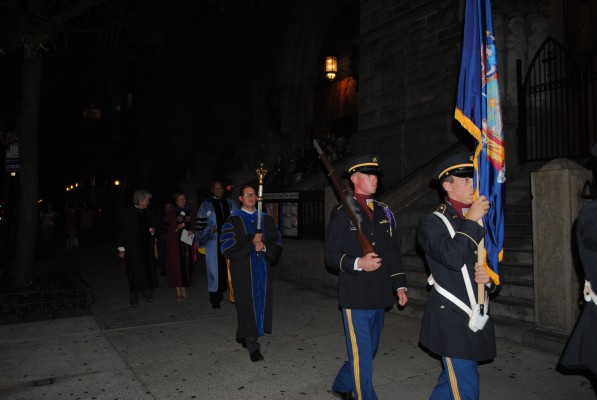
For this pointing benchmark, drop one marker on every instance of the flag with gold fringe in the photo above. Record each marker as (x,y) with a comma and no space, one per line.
(478,110)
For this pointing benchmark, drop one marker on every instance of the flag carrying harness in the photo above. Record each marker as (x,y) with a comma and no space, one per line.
(476,319)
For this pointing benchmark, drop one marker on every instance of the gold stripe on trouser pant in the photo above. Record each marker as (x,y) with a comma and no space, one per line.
(452,378)
(355,355)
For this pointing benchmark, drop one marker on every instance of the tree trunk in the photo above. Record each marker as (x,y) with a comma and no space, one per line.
(28,170)
(27,136)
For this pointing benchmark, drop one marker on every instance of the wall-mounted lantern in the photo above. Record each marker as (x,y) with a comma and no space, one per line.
(331,67)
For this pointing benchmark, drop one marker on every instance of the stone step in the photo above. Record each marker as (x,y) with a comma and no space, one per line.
(518,182)
(511,273)
(515,271)
(517,289)
(519,192)
(418,290)
(518,255)
(503,306)
(409,217)
(518,309)
(516,282)
(520,219)
(511,241)
(514,209)
(409,240)
(413,260)
(511,329)
(515,229)
(416,276)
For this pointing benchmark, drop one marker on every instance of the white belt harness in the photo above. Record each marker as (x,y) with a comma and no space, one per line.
(477,321)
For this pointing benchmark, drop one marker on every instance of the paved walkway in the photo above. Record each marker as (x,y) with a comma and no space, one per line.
(186,350)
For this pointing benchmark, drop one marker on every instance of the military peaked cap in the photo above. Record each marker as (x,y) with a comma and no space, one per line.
(460,164)
(367,164)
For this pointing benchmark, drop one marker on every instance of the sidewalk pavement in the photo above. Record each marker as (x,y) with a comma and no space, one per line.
(187,350)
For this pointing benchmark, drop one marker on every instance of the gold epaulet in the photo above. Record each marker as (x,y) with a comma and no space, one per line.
(441,209)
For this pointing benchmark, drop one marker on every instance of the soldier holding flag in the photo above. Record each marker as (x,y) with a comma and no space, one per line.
(450,238)
(463,239)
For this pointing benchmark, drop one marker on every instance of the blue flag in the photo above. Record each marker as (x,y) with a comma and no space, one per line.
(478,110)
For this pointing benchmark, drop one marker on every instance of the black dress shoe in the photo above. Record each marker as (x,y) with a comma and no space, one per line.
(242,342)
(214,299)
(256,356)
(344,395)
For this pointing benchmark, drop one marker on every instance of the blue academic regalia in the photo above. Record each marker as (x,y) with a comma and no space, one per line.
(209,217)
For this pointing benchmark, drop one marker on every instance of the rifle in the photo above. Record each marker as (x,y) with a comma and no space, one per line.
(346,199)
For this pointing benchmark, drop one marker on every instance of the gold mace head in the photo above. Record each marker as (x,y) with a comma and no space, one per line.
(261,171)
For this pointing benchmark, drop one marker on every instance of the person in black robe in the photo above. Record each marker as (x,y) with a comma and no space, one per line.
(251,254)
(581,349)
(136,247)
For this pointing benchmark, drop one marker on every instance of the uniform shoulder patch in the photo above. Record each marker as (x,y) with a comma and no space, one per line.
(441,209)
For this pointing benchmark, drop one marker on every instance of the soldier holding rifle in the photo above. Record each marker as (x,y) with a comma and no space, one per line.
(363,244)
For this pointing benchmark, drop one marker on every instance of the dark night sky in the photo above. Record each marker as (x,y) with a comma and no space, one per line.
(128,47)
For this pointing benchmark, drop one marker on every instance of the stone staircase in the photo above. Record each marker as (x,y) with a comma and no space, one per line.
(513,308)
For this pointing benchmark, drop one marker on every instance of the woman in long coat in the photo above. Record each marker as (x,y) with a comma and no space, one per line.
(179,226)
(136,246)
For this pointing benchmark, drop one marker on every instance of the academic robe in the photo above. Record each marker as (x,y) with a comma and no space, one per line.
(139,256)
(213,213)
(180,259)
(251,271)
(581,350)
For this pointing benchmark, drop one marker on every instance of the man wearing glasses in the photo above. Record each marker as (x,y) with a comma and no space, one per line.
(250,254)
(210,218)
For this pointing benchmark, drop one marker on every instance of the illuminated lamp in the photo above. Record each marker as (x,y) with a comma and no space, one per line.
(331,67)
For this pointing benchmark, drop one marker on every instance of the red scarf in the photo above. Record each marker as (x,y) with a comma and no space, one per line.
(364,200)
(460,207)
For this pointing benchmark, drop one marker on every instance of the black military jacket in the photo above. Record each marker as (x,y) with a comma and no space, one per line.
(360,289)
(445,328)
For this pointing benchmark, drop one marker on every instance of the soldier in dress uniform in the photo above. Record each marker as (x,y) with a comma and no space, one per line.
(445,329)
(367,283)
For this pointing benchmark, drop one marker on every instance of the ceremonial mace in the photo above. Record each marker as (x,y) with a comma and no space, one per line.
(261,171)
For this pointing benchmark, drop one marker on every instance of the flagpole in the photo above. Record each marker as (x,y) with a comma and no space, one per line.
(481,261)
